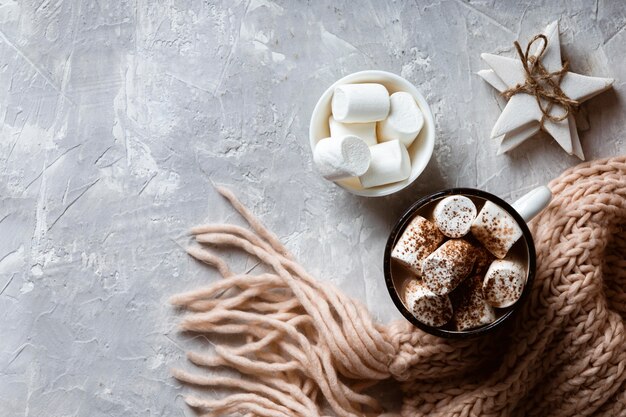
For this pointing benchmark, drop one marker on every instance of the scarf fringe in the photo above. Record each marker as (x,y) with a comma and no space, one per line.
(304,339)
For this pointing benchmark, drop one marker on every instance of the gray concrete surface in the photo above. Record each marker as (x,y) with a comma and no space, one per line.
(116,116)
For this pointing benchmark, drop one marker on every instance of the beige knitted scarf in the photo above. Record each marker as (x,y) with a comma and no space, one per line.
(305,349)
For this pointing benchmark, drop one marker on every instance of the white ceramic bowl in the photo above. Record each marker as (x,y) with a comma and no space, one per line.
(420,150)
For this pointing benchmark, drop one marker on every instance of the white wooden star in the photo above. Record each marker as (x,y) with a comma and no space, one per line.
(521,118)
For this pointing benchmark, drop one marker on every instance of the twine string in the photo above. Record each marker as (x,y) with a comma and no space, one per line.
(545,86)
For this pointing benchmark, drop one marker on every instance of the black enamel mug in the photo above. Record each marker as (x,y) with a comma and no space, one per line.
(523,210)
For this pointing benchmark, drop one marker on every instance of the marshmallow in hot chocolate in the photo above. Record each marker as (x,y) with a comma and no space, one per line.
(419,239)
(503,283)
(496,229)
(448,266)
(454,215)
(427,307)
(484,258)
(473,310)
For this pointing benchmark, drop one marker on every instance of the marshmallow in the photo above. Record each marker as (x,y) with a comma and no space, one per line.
(454,215)
(343,157)
(484,258)
(427,307)
(472,310)
(390,163)
(405,119)
(360,103)
(366,131)
(418,240)
(496,229)
(504,283)
(448,266)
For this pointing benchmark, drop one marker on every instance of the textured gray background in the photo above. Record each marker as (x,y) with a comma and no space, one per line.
(115,115)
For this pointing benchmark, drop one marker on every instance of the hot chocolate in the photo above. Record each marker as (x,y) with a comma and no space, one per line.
(494,260)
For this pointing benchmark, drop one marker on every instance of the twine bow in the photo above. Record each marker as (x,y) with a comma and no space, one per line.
(541,83)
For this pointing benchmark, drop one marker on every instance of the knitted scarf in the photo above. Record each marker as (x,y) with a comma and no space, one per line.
(305,349)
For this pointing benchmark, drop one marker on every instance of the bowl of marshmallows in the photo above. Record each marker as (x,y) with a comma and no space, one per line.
(372,133)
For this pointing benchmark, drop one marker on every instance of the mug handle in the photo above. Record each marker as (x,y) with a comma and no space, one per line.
(531,203)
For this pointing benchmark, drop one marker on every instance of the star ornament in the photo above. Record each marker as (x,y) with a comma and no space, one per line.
(526,114)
